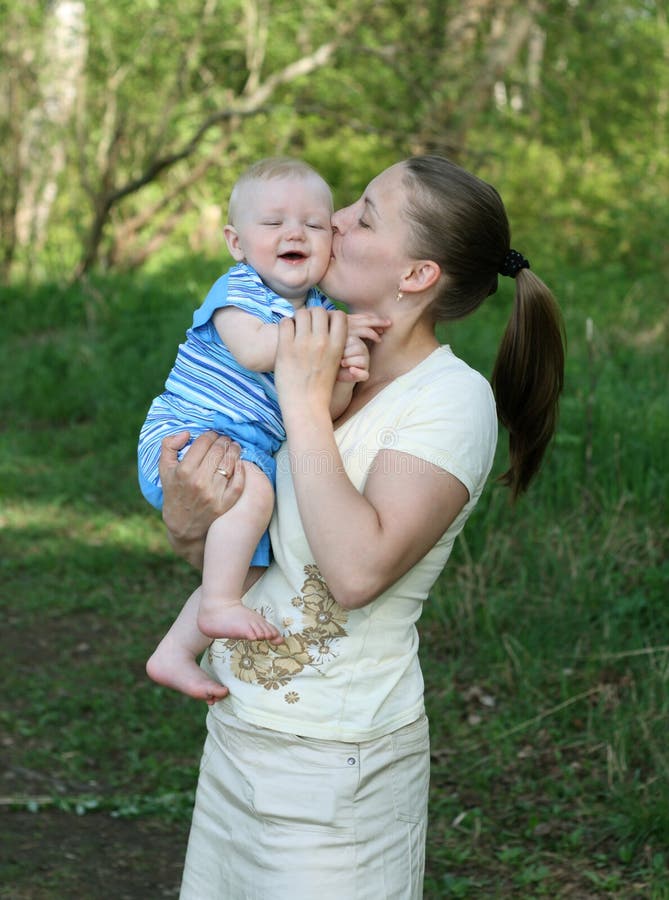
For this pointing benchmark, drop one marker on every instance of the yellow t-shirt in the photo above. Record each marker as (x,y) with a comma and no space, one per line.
(354,675)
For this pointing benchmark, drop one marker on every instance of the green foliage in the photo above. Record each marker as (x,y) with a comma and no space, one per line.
(544,642)
(575,134)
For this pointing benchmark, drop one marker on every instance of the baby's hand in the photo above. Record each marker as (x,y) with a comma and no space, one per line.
(355,361)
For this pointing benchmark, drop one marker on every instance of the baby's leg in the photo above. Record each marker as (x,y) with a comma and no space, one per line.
(174,661)
(231,541)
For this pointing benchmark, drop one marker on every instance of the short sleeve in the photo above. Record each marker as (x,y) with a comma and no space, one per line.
(317,298)
(451,423)
(242,288)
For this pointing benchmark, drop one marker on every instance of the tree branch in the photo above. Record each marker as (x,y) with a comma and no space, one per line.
(246,106)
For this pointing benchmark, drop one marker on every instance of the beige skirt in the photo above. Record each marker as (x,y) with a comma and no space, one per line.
(291,818)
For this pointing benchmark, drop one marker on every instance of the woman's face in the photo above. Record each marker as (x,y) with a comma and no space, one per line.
(369,244)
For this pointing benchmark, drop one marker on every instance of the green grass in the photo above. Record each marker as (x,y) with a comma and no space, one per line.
(545,643)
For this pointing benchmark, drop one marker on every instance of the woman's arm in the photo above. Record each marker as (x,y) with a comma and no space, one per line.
(407,504)
(195,492)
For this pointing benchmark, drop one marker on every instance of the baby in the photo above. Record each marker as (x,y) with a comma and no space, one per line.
(279,233)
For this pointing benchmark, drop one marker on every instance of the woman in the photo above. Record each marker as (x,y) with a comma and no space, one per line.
(314,778)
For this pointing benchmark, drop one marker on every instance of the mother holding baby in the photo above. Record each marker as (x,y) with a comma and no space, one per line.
(314,777)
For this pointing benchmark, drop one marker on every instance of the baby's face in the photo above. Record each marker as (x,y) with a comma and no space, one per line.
(282,228)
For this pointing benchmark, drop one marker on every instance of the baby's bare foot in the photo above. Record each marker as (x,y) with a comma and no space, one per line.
(238,622)
(175,668)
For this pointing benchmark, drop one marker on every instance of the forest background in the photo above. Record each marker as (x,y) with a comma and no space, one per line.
(544,643)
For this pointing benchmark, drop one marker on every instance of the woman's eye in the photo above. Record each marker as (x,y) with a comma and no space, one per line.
(362,223)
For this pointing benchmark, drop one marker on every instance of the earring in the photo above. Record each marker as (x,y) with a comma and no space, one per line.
(399,296)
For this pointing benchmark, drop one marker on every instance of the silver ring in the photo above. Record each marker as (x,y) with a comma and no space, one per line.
(223,472)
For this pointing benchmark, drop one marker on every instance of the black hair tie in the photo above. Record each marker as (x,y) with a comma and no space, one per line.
(512,263)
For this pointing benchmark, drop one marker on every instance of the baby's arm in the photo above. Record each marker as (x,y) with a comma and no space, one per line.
(355,359)
(354,368)
(252,342)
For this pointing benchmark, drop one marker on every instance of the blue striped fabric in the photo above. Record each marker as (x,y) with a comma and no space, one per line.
(207,374)
(207,383)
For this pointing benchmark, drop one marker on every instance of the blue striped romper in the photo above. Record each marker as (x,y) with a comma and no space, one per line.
(208,390)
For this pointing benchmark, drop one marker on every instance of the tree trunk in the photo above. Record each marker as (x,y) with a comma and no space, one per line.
(42,153)
(503,28)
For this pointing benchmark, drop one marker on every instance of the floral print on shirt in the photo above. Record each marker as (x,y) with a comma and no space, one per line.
(319,624)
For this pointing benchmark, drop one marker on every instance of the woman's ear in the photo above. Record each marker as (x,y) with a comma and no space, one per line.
(422,275)
(232,240)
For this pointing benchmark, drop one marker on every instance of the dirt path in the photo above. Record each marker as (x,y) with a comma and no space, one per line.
(51,855)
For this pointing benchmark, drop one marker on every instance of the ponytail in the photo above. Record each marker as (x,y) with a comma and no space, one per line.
(459,221)
(528,377)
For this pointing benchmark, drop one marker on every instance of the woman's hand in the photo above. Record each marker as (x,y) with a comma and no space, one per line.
(206,483)
(308,360)
(367,326)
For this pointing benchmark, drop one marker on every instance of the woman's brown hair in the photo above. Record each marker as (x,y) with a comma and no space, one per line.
(459,222)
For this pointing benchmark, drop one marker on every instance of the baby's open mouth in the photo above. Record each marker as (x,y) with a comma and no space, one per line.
(292,255)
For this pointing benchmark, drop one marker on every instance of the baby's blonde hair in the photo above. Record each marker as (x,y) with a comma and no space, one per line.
(268,169)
